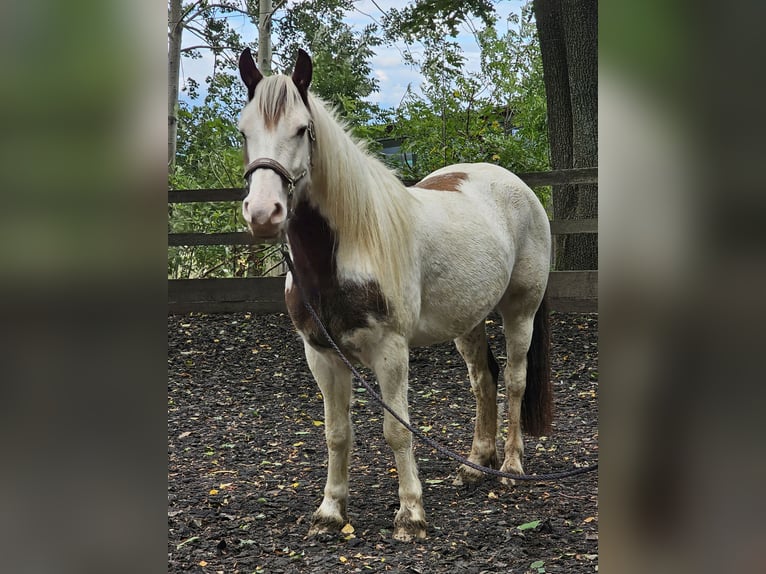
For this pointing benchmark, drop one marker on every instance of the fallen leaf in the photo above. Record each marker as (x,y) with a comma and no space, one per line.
(213,491)
(202,563)
(589,519)
(184,434)
(318,423)
(492,495)
(192,539)
(343,559)
(347,529)
(528,525)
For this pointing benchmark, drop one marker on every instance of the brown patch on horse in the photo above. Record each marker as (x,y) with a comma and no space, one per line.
(343,307)
(444,182)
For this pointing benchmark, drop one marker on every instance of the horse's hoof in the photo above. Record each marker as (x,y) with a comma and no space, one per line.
(467,476)
(325,525)
(409,524)
(410,531)
(510,470)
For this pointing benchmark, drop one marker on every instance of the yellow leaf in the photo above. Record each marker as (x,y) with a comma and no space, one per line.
(202,563)
(318,423)
(225,484)
(347,529)
(343,559)
(590,519)
(295,484)
(213,491)
(492,495)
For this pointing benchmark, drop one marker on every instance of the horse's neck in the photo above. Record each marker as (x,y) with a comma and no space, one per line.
(313,245)
(365,206)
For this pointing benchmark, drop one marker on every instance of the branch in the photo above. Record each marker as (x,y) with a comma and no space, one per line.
(189,8)
(204,47)
(222,7)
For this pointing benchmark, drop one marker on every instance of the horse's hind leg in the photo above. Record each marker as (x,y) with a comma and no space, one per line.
(483,373)
(517,307)
(334,380)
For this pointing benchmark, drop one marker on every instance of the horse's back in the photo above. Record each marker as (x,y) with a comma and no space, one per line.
(473,195)
(475,222)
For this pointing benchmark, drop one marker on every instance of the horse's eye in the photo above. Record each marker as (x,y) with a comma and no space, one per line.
(301,131)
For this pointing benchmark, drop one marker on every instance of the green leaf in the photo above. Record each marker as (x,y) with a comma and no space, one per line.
(528,525)
(192,539)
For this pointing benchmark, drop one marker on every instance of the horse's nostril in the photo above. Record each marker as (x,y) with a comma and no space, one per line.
(277,210)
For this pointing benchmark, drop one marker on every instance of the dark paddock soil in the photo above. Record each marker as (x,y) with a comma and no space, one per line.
(246,461)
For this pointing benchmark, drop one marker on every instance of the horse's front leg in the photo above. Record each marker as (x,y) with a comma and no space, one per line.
(334,380)
(391,365)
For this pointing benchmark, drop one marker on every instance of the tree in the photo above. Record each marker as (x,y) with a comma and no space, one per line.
(341,55)
(496,114)
(202,19)
(568,42)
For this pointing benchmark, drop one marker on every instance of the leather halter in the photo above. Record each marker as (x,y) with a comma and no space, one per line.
(282,171)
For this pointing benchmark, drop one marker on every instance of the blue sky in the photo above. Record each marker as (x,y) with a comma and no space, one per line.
(387,64)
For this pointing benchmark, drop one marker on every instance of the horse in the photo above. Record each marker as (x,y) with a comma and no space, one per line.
(387,268)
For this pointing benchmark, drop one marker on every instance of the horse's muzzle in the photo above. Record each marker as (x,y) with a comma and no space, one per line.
(265,222)
(265,208)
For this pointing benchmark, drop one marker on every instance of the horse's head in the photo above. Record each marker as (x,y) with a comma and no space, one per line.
(279,132)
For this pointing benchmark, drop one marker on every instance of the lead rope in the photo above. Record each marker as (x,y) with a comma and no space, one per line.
(417,432)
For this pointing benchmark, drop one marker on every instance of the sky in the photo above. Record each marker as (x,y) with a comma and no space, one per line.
(388,66)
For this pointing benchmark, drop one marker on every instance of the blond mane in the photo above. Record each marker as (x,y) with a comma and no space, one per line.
(364,201)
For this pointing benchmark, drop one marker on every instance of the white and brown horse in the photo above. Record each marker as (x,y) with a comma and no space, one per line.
(388,267)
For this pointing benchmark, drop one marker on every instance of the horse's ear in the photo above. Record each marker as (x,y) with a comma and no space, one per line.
(249,72)
(302,74)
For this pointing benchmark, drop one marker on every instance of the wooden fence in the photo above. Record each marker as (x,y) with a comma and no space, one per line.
(568,291)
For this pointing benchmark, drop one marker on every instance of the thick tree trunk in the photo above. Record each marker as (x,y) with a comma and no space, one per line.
(581,39)
(567,31)
(175,31)
(556,78)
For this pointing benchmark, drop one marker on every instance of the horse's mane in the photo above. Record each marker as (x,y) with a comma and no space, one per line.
(364,199)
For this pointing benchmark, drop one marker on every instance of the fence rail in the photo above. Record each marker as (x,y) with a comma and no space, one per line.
(568,291)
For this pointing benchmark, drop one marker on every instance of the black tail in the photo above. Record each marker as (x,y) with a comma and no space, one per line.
(537,405)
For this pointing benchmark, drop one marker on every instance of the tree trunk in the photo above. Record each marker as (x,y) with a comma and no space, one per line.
(567,31)
(581,39)
(265,10)
(175,31)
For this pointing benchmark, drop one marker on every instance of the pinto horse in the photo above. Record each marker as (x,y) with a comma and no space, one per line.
(388,267)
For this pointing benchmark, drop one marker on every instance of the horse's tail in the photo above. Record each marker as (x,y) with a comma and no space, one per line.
(537,404)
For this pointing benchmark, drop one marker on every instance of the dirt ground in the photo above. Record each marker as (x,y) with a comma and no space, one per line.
(246,460)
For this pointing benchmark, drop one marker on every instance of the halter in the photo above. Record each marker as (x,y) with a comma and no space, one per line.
(282,171)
